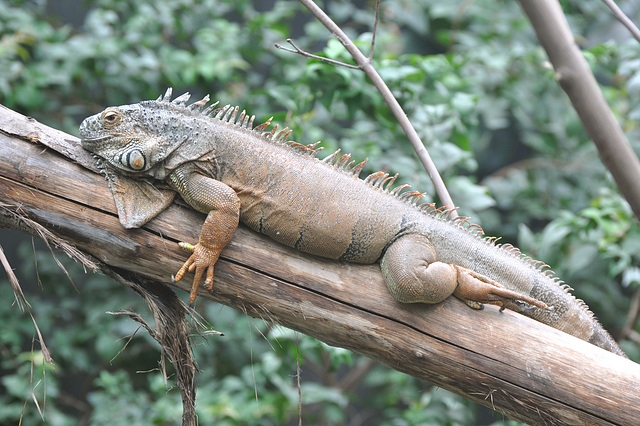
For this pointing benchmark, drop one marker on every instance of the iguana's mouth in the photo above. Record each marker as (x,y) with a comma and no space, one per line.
(97,139)
(89,143)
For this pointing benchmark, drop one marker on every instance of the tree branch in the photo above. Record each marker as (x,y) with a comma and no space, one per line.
(577,80)
(623,18)
(515,365)
(301,52)
(365,65)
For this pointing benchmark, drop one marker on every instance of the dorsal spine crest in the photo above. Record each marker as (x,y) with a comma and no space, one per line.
(378,180)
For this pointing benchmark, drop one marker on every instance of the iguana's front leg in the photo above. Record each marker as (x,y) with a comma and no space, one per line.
(413,274)
(222,206)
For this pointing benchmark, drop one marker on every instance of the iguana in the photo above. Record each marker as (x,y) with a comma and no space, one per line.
(232,171)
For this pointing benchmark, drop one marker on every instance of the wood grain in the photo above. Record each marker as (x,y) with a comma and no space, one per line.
(524,369)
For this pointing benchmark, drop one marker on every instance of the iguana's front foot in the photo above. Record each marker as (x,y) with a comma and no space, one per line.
(222,206)
(203,259)
(475,289)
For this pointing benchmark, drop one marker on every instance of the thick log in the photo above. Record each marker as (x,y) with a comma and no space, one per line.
(517,366)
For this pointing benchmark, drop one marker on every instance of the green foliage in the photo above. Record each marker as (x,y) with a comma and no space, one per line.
(477,87)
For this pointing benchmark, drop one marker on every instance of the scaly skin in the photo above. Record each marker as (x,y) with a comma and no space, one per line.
(225,168)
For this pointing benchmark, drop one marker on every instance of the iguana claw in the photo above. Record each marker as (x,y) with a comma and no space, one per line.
(475,289)
(203,259)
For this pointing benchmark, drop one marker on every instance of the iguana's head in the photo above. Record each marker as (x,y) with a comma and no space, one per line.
(149,139)
(128,137)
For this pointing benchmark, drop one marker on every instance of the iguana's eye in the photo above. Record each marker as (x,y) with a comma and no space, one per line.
(134,159)
(110,117)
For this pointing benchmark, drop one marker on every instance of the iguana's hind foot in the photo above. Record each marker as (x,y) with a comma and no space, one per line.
(202,260)
(413,274)
(475,289)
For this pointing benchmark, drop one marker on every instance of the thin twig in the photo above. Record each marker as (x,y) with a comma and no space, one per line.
(23,305)
(299,51)
(376,17)
(632,315)
(623,18)
(365,65)
(298,373)
(171,332)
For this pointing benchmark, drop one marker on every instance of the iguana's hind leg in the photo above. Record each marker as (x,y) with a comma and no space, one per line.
(475,289)
(222,206)
(413,274)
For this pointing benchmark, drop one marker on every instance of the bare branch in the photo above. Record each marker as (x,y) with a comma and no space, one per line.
(577,80)
(623,18)
(299,51)
(376,18)
(632,315)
